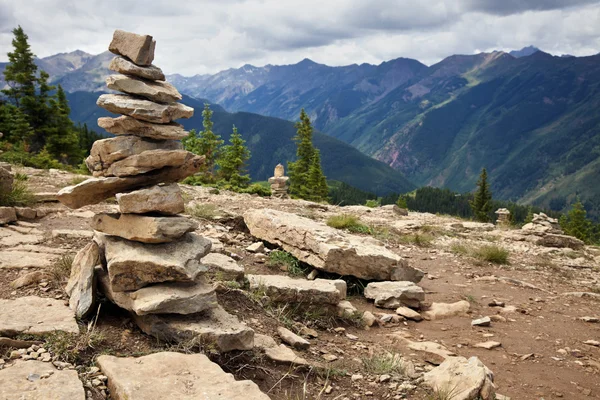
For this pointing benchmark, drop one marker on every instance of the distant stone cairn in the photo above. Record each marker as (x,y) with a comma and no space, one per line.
(279,183)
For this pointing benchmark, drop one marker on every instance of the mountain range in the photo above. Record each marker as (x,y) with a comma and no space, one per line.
(529,117)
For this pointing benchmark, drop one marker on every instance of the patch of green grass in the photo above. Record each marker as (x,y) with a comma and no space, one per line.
(492,253)
(284,260)
(21,177)
(20,196)
(471,299)
(203,211)
(460,249)
(348,222)
(418,239)
(77,180)
(372,203)
(378,364)
(61,269)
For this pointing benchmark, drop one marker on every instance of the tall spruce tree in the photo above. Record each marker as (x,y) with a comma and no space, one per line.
(299,169)
(232,161)
(482,201)
(62,141)
(20,73)
(317,182)
(576,223)
(206,143)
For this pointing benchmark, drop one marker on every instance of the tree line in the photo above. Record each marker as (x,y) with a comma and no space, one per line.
(34,115)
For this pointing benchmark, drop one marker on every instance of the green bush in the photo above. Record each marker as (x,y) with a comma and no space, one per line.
(492,253)
(349,222)
(20,196)
(279,258)
(372,203)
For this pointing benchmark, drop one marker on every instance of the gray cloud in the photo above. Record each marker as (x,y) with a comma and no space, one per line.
(206,36)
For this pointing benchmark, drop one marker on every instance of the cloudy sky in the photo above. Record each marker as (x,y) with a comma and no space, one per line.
(202,36)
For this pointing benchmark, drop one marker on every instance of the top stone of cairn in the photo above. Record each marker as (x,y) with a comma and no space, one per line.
(138,48)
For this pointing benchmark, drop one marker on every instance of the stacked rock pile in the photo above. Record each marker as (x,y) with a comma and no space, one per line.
(146,258)
(541,223)
(279,183)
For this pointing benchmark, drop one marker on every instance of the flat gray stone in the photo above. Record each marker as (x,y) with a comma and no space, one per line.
(168,375)
(36,316)
(124,66)
(284,355)
(215,326)
(143,228)
(164,199)
(59,385)
(292,339)
(105,152)
(162,298)
(162,92)
(7,215)
(223,267)
(137,48)
(81,287)
(147,161)
(144,110)
(285,289)
(132,265)
(329,249)
(95,190)
(125,125)
(468,379)
(395,294)
(409,313)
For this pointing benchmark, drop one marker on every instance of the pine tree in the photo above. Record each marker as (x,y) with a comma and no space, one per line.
(206,143)
(317,182)
(232,161)
(14,125)
(402,202)
(20,72)
(576,222)
(299,169)
(43,113)
(482,201)
(62,141)
(529,216)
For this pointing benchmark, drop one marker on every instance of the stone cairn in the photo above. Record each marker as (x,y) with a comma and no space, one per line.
(503,217)
(279,183)
(146,258)
(541,223)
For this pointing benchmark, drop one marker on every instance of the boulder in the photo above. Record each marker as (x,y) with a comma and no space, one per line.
(162,92)
(215,327)
(285,289)
(132,265)
(7,215)
(164,199)
(223,267)
(144,110)
(408,313)
(394,294)
(125,125)
(143,228)
(31,380)
(147,161)
(6,179)
(328,248)
(169,375)
(26,213)
(105,152)
(446,310)
(95,190)
(345,309)
(35,316)
(81,287)
(465,379)
(137,48)
(292,339)
(162,298)
(124,66)
(560,241)
(284,355)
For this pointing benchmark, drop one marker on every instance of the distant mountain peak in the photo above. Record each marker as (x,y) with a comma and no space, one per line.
(524,52)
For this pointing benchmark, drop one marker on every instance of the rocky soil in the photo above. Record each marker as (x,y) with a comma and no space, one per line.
(540,337)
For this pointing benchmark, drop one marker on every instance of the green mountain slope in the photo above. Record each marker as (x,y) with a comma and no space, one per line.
(270,141)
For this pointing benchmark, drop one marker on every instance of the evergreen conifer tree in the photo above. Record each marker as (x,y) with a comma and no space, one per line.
(20,73)
(402,202)
(232,161)
(576,222)
(206,143)
(482,201)
(529,216)
(317,182)
(299,169)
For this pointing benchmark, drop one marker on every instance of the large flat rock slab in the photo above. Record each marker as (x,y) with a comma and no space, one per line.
(144,110)
(395,294)
(106,152)
(285,289)
(95,190)
(143,228)
(132,265)
(125,125)
(12,258)
(168,375)
(162,92)
(164,199)
(137,48)
(163,298)
(124,66)
(216,327)
(329,249)
(36,316)
(147,161)
(467,379)
(22,381)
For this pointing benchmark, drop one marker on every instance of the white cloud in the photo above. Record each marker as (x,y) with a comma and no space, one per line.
(208,36)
